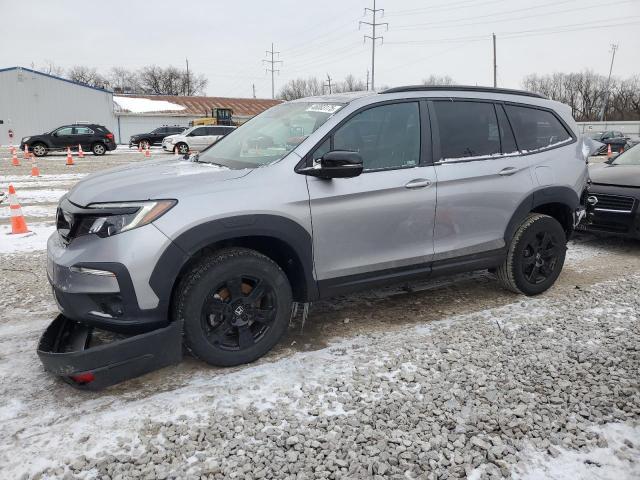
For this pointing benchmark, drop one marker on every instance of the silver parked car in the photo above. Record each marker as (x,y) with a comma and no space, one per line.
(311,199)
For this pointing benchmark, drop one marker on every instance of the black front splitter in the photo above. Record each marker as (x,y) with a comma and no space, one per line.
(88,359)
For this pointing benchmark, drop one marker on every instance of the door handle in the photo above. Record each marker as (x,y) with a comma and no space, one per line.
(418,183)
(507,171)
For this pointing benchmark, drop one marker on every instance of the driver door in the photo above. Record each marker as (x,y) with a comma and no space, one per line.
(379,224)
(62,138)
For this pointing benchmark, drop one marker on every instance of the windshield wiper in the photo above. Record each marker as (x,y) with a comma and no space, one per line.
(196,158)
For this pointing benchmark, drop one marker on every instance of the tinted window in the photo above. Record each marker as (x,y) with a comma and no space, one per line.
(467,129)
(507,140)
(175,129)
(64,131)
(386,137)
(83,131)
(536,129)
(199,132)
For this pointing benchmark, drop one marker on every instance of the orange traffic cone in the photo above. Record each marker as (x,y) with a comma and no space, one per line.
(18,223)
(80,152)
(621,150)
(609,150)
(69,158)
(14,159)
(26,152)
(12,149)
(139,148)
(147,152)
(35,171)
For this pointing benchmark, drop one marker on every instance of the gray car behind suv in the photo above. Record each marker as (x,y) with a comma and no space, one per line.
(311,199)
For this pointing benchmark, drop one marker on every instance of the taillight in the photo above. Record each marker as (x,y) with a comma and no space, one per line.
(109,136)
(83,378)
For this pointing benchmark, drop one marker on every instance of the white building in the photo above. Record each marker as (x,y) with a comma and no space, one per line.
(33,102)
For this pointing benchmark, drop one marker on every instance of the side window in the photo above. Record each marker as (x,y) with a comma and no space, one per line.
(82,131)
(467,129)
(387,136)
(64,131)
(536,129)
(321,150)
(198,132)
(507,140)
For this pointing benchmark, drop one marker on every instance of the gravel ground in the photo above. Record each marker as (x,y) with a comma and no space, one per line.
(445,379)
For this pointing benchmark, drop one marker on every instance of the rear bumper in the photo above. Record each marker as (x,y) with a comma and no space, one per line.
(90,360)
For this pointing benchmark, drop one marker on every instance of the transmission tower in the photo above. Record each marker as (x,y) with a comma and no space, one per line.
(373,24)
(272,62)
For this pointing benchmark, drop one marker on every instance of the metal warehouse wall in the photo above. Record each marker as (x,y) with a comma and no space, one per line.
(629,128)
(33,103)
(132,124)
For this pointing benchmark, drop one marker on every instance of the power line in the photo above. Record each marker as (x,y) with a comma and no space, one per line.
(373,37)
(273,70)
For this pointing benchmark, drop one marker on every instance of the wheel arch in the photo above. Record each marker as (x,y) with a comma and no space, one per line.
(282,240)
(557,202)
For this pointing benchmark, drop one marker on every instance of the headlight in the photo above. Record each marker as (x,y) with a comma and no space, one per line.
(113,218)
(25,139)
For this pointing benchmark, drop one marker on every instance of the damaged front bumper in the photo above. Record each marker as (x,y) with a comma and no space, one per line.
(92,359)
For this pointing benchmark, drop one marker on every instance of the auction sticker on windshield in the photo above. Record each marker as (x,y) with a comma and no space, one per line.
(324,107)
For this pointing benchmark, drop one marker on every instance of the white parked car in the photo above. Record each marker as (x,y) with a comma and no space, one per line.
(196,138)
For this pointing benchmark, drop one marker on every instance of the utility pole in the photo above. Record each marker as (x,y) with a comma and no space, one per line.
(328,84)
(367,80)
(614,47)
(188,81)
(272,62)
(495,66)
(253,85)
(373,37)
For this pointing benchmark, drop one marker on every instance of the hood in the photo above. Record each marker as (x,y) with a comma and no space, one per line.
(622,175)
(149,180)
(175,135)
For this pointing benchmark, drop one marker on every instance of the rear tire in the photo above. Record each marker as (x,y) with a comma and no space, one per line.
(98,149)
(235,306)
(39,149)
(535,257)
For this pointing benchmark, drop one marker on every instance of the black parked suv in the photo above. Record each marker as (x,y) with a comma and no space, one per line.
(92,137)
(144,140)
(616,139)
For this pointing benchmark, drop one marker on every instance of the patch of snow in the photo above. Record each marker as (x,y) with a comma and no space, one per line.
(617,461)
(146,105)
(39,196)
(28,179)
(27,242)
(31,211)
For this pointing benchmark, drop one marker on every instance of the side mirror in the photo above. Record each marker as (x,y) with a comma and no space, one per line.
(336,164)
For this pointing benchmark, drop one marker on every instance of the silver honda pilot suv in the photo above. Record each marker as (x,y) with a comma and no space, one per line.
(318,197)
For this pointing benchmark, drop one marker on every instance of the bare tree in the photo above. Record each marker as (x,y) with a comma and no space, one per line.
(351,84)
(438,80)
(86,75)
(156,80)
(301,87)
(122,80)
(49,67)
(585,91)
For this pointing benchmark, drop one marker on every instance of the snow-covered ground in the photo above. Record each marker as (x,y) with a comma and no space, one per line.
(36,239)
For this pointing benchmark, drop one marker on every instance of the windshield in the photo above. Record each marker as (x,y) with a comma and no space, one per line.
(630,157)
(270,136)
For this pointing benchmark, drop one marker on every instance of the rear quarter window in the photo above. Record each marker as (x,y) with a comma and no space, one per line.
(536,129)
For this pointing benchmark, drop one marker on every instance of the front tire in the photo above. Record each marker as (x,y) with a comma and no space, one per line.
(235,306)
(98,149)
(39,149)
(535,257)
(181,149)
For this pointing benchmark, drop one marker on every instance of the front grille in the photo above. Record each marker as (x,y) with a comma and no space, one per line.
(613,203)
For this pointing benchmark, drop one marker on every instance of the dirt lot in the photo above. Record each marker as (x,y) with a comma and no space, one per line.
(449,378)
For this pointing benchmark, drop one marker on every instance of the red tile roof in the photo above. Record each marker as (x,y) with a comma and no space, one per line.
(202,106)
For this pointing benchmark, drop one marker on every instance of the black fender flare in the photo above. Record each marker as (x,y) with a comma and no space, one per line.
(188,243)
(563,195)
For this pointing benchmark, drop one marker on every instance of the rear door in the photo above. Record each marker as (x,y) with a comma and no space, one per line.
(482,179)
(197,138)
(378,224)
(83,136)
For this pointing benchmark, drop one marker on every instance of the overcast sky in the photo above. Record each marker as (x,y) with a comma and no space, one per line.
(226,40)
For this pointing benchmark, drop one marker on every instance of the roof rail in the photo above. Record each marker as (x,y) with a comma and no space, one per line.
(460,88)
